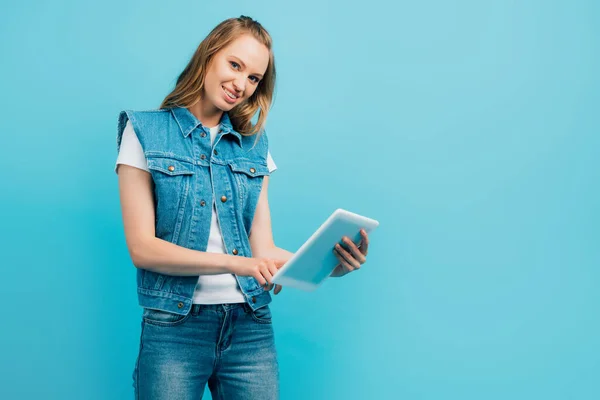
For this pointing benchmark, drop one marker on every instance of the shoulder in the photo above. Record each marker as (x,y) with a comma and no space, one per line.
(257,144)
(141,115)
(140,120)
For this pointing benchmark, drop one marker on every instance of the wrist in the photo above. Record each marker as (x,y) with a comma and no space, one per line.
(235,264)
(232,263)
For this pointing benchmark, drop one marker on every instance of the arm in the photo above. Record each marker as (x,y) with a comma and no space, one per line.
(261,234)
(154,254)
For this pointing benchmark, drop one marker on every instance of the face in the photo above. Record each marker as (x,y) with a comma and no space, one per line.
(235,72)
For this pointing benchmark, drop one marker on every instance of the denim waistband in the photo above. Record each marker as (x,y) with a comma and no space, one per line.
(218,307)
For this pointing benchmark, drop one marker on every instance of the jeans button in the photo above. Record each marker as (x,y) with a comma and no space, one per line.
(180,305)
(253,299)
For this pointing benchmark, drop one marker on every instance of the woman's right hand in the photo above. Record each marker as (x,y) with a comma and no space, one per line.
(261,269)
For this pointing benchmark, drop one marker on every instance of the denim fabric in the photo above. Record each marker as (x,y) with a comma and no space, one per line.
(188,173)
(229,346)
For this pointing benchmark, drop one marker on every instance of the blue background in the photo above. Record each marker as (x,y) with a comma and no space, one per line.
(469,129)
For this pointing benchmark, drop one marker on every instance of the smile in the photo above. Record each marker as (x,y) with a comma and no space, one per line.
(229,94)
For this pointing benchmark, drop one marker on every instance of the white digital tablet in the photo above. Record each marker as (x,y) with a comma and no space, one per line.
(314,261)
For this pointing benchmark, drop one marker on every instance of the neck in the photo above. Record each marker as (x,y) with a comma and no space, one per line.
(207,114)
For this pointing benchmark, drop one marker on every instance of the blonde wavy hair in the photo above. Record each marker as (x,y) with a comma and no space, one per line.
(191,81)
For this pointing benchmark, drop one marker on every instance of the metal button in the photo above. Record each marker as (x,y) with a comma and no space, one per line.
(235,252)
(216,152)
(202,203)
(202,157)
(252,170)
(180,305)
(253,299)
(203,134)
(223,199)
(171,168)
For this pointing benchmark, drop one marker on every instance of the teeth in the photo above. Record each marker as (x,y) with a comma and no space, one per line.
(233,96)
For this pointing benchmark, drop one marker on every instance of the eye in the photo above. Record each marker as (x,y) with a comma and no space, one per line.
(254,79)
(234,64)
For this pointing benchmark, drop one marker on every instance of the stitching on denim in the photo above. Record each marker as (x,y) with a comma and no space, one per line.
(154,154)
(137,365)
(262,321)
(167,324)
(220,393)
(159,282)
(181,206)
(167,172)
(167,295)
(241,188)
(218,347)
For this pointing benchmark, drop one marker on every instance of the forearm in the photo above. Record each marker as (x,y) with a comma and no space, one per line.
(276,253)
(164,257)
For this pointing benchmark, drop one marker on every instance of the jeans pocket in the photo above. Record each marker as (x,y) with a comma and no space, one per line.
(262,315)
(163,318)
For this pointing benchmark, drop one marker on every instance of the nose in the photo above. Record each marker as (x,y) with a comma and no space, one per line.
(239,84)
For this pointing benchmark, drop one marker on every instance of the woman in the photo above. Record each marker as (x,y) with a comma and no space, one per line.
(193,179)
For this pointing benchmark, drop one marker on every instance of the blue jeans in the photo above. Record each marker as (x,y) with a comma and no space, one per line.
(228,346)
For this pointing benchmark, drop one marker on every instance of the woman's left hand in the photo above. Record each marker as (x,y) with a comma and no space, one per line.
(271,286)
(349,261)
(353,259)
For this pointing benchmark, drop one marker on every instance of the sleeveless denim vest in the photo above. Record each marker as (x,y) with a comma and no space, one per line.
(188,173)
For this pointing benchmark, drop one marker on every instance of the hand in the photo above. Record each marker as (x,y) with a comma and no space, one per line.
(261,269)
(351,261)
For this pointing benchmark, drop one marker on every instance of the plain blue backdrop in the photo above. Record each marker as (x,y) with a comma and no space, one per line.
(469,129)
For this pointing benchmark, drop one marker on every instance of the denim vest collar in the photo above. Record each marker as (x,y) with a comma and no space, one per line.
(188,122)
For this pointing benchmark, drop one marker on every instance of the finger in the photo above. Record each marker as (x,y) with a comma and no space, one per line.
(345,264)
(266,273)
(273,270)
(364,244)
(268,286)
(347,256)
(354,250)
(272,267)
(259,278)
(277,289)
(279,263)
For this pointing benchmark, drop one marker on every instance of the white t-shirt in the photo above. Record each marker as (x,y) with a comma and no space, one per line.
(210,289)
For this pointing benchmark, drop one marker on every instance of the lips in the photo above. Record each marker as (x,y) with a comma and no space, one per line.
(229,95)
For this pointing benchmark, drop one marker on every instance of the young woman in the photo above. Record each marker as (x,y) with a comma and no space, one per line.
(193,179)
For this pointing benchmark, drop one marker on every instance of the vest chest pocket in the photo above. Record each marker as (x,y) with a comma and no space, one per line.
(249,176)
(172,185)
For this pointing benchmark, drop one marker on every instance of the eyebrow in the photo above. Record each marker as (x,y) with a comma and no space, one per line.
(244,65)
